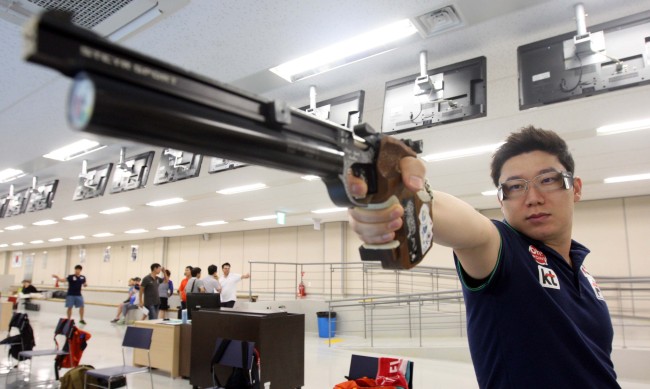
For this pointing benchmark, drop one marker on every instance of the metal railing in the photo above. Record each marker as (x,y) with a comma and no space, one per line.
(424,301)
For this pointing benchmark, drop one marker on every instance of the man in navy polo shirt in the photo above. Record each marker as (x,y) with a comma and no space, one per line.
(536,318)
(74,298)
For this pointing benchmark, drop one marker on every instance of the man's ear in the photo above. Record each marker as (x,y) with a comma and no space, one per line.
(577,189)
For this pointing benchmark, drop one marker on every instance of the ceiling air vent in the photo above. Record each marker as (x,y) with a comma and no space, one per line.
(435,22)
(105,17)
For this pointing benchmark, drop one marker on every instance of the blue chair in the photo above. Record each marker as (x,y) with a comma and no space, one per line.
(135,337)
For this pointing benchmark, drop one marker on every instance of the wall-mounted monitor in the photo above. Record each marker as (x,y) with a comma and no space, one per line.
(42,197)
(219,165)
(132,173)
(17,204)
(345,110)
(613,55)
(175,165)
(457,92)
(93,183)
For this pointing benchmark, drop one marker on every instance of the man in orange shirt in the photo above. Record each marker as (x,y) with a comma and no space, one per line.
(181,289)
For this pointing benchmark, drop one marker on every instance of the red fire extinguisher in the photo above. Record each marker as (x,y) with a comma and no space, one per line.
(301,286)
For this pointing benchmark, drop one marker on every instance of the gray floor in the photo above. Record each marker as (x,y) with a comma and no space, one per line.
(324,366)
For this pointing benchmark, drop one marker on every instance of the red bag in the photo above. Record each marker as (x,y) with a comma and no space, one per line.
(364,382)
(391,372)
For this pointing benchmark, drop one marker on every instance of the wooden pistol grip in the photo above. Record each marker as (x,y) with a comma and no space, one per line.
(414,239)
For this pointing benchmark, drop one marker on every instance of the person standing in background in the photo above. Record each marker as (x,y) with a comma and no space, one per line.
(229,286)
(211,281)
(74,298)
(195,285)
(181,289)
(165,289)
(149,291)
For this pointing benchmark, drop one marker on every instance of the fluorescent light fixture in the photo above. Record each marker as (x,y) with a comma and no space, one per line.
(211,223)
(346,52)
(310,178)
(102,235)
(162,203)
(113,211)
(257,218)
(74,150)
(634,177)
(136,231)
(77,237)
(10,175)
(75,217)
(281,217)
(47,222)
(38,241)
(55,240)
(173,227)
(329,210)
(492,192)
(242,189)
(135,24)
(3,245)
(18,244)
(623,127)
(15,227)
(460,153)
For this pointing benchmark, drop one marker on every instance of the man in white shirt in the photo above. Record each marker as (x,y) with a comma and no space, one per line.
(211,281)
(229,286)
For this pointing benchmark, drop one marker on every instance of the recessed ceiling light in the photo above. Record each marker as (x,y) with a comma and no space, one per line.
(113,211)
(623,127)
(329,210)
(343,53)
(3,245)
(77,237)
(102,235)
(310,178)
(212,223)
(162,203)
(10,175)
(136,231)
(241,189)
(257,218)
(15,227)
(47,222)
(55,240)
(173,227)
(18,244)
(75,217)
(460,153)
(74,150)
(634,177)
(38,241)
(492,192)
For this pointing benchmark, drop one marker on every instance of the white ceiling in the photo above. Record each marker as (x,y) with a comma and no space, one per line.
(236,41)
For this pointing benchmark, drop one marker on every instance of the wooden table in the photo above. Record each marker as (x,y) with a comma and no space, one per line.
(6,311)
(165,346)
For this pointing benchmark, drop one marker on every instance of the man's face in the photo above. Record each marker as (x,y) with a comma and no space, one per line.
(156,270)
(226,270)
(188,272)
(77,272)
(544,216)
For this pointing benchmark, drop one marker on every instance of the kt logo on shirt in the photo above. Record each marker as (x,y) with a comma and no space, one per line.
(548,278)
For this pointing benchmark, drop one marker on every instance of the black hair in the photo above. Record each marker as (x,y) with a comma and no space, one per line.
(225,264)
(212,269)
(531,139)
(196,271)
(155,266)
(78,267)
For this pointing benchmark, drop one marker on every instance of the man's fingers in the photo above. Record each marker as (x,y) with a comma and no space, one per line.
(413,173)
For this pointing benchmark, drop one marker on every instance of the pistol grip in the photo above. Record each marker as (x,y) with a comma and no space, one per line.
(413,240)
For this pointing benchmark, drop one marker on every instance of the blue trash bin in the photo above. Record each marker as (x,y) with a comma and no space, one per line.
(323,318)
